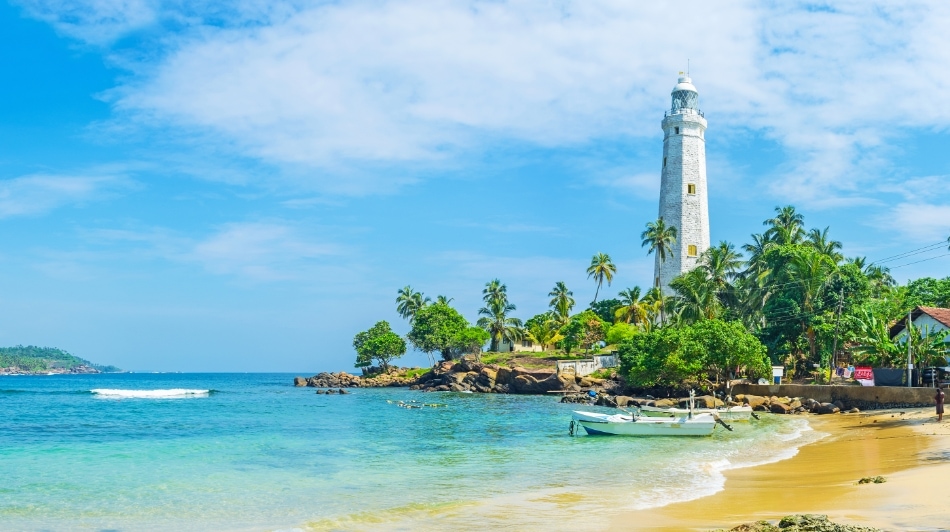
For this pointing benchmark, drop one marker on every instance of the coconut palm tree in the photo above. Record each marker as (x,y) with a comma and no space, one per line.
(561,301)
(722,264)
(442,300)
(785,227)
(660,239)
(812,271)
(545,333)
(495,318)
(696,296)
(408,302)
(820,241)
(633,309)
(601,267)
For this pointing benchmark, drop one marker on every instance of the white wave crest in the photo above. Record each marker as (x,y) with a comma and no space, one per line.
(174,393)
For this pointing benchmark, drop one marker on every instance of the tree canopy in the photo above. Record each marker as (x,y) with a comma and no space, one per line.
(378,343)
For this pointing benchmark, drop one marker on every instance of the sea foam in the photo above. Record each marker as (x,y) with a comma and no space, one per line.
(174,393)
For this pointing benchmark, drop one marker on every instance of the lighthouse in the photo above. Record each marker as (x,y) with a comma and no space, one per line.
(683,200)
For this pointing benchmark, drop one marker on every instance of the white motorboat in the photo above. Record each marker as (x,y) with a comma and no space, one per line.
(632,425)
(729,413)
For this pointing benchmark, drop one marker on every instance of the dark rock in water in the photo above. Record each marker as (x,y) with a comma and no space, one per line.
(341,391)
(760,408)
(329,392)
(300,381)
(623,400)
(779,408)
(320,392)
(826,408)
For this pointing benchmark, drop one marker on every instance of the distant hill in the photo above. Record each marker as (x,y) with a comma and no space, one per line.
(32,359)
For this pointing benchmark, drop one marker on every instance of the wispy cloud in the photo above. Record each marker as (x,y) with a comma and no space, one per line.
(40,193)
(338,85)
(260,251)
(253,251)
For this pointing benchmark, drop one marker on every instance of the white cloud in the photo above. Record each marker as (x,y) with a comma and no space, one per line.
(97,22)
(259,251)
(389,82)
(920,222)
(41,193)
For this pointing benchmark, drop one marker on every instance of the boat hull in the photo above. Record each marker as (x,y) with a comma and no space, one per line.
(597,424)
(733,413)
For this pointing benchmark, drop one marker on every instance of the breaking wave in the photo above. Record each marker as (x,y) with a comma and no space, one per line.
(174,393)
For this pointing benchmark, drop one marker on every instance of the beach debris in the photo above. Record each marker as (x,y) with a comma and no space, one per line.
(415,404)
(873,480)
(801,523)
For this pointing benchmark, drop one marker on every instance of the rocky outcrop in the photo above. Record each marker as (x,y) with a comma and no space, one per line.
(469,375)
(801,523)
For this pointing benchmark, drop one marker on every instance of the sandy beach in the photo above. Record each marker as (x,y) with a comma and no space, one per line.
(908,447)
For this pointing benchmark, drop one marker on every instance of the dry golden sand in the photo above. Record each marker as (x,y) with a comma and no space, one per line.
(908,447)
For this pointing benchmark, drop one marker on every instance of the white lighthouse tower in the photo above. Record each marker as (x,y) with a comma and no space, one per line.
(683,200)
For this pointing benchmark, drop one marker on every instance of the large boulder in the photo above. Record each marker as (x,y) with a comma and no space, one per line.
(827,408)
(489,373)
(300,381)
(664,403)
(754,400)
(470,363)
(504,376)
(779,408)
(587,382)
(707,401)
(623,400)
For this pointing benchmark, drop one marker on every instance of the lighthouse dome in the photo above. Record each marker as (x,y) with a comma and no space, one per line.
(685,96)
(684,83)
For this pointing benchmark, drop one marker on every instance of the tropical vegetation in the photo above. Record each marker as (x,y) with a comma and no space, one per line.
(788,296)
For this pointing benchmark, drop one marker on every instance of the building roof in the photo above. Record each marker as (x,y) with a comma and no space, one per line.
(941,315)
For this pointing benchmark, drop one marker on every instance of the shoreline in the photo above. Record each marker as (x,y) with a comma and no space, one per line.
(910,450)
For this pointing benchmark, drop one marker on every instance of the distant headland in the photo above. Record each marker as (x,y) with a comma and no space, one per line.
(32,360)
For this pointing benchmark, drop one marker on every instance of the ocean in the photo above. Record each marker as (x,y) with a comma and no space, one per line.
(251,452)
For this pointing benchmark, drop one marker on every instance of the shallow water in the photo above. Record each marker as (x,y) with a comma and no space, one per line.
(255,453)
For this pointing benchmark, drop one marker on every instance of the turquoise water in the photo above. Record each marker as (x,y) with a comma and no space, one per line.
(255,453)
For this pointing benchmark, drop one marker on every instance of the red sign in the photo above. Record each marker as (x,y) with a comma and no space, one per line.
(863,373)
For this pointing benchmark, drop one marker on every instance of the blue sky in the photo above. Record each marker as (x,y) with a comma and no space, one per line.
(187,187)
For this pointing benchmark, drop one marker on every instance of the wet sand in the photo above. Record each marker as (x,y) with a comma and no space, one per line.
(909,449)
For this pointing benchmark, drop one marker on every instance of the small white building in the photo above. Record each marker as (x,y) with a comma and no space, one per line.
(933,319)
(523,345)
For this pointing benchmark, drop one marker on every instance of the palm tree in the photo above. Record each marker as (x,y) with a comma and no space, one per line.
(601,267)
(544,333)
(819,240)
(561,301)
(442,300)
(785,227)
(722,264)
(653,303)
(633,309)
(660,239)
(812,271)
(495,318)
(494,291)
(696,297)
(408,303)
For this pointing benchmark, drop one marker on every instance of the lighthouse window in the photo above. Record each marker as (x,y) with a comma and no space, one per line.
(691,188)
(691,250)
(676,130)
(664,162)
